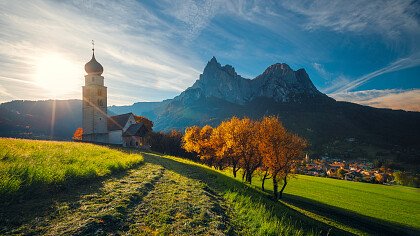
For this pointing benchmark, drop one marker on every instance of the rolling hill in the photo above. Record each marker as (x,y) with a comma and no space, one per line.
(173,196)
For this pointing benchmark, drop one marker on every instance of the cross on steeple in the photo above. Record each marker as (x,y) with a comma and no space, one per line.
(93,45)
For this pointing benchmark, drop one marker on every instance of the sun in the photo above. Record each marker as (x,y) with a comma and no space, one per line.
(57,75)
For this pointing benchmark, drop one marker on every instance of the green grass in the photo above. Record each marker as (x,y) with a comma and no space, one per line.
(346,204)
(27,165)
(173,196)
(251,212)
(397,204)
(311,205)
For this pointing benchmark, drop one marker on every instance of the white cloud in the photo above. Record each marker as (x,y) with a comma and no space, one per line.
(386,17)
(390,98)
(321,70)
(134,46)
(397,65)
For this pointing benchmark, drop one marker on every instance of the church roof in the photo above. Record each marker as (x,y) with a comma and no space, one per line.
(118,122)
(93,67)
(137,129)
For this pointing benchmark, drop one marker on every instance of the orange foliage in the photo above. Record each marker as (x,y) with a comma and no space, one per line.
(78,134)
(247,144)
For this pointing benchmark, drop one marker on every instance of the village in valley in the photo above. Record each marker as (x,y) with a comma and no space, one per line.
(351,170)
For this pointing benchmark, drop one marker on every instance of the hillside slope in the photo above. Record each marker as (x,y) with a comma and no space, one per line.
(221,93)
(169,195)
(51,119)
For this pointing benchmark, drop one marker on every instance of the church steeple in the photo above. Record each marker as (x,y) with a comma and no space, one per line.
(93,67)
(95,118)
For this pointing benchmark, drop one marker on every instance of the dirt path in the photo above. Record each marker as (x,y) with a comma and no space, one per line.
(147,200)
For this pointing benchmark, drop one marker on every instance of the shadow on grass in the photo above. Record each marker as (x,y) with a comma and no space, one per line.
(35,204)
(223,184)
(364,223)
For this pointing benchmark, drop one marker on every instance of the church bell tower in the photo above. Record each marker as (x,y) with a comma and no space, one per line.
(95,116)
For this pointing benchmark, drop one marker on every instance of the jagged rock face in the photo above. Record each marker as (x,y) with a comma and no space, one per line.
(278,81)
(283,84)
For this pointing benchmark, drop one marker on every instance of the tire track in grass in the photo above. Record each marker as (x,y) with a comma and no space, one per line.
(180,206)
(103,212)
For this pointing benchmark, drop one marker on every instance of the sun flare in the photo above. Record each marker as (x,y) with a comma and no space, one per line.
(57,75)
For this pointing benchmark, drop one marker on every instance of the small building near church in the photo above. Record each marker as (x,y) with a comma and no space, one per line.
(98,126)
(124,130)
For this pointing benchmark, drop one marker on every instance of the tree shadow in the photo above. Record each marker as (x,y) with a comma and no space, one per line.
(223,183)
(355,220)
(40,204)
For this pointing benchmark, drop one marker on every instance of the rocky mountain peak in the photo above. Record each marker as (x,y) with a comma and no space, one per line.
(279,82)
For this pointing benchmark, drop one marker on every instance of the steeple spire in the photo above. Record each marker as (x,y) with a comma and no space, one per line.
(93,48)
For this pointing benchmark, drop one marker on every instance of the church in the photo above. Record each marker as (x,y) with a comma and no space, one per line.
(98,126)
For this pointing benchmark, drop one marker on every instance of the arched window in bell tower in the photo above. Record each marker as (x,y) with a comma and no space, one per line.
(99,92)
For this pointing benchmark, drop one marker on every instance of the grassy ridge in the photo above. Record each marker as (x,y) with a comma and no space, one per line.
(31,164)
(333,199)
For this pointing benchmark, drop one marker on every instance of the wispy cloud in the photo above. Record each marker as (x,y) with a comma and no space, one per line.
(390,98)
(131,43)
(386,17)
(400,64)
(152,50)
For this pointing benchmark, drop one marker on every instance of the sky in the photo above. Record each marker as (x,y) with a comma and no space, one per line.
(366,52)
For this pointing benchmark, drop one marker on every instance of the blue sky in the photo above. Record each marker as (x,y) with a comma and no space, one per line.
(361,51)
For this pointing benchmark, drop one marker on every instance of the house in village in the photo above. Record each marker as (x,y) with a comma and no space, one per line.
(98,126)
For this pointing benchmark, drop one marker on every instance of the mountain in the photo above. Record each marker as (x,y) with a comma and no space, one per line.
(51,119)
(278,82)
(333,128)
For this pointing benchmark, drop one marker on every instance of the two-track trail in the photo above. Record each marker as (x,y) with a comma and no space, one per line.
(147,200)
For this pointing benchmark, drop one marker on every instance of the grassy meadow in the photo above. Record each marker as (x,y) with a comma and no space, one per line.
(351,206)
(27,165)
(168,195)
(311,205)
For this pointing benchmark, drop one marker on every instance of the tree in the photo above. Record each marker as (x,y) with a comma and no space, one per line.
(246,147)
(191,139)
(225,139)
(293,153)
(78,134)
(205,145)
(281,151)
(272,135)
(198,140)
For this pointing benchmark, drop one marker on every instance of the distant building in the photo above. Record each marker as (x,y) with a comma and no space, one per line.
(98,127)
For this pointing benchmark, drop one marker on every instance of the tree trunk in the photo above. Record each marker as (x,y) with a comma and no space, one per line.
(263,180)
(284,186)
(249,177)
(234,170)
(275,187)
(243,176)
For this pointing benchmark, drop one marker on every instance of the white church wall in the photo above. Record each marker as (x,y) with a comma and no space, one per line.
(115,137)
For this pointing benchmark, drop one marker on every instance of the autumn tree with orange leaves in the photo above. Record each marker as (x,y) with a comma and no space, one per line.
(78,134)
(226,139)
(199,140)
(248,145)
(281,151)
